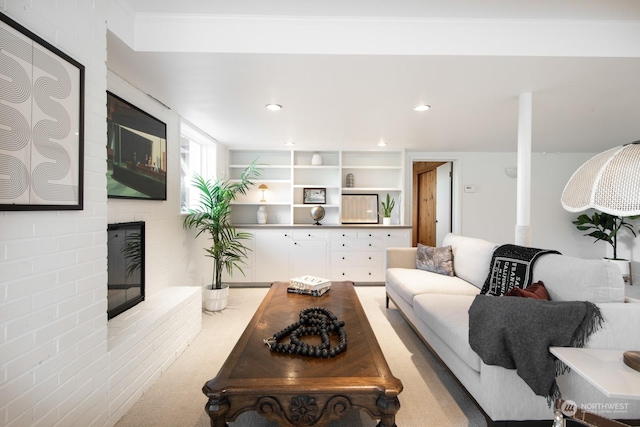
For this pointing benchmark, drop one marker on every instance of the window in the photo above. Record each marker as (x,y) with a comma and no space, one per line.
(197,156)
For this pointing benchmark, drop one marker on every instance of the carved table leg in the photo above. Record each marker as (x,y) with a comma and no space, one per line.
(388,406)
(217,410)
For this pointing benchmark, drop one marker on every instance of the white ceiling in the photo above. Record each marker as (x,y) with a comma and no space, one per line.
(220,81)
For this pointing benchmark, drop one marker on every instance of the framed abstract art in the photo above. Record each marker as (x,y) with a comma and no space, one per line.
(41,123)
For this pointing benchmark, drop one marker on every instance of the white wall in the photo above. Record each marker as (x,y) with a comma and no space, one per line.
(167,244)
(490,212)
(53,342)
(60,360)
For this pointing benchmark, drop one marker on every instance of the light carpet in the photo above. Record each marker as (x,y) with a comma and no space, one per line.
(431,397)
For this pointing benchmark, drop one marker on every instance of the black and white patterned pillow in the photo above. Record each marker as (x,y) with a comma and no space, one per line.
(435,260)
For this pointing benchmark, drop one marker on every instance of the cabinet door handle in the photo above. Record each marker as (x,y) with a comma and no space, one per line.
(309,235)
(343,274)
(369,274)
(295,243)
(343,244)
(369,234)
(343,235)
(369,257)
(388,235)
(342,257)
(369,244)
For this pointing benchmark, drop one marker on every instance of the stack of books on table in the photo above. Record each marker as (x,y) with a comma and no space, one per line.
(309,285)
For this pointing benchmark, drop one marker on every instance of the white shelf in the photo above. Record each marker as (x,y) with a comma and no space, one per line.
(310,205)
(262,166)
(287,172)
(369,189)
(261,203)
(371,167)
(315,167)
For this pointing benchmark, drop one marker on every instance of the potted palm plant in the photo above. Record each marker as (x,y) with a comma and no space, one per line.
(606,227)
(213,217)
(387,208)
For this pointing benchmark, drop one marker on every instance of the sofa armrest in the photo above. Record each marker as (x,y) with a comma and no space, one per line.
(401,257)
(620,327)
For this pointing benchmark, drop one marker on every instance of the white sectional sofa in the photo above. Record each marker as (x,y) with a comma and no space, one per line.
(437,307)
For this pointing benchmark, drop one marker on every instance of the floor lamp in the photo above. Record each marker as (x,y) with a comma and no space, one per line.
(610,183)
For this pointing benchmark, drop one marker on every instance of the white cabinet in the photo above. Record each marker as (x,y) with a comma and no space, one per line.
(359,256)
(272,260)
(309,253)
(287,173)
(336,253)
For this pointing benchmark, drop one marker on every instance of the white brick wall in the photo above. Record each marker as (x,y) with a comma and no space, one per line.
(52,263)
(55,355)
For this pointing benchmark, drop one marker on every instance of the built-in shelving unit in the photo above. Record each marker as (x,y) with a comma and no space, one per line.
(288,173)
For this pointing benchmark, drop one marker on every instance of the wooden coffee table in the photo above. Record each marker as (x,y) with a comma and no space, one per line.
(296,390)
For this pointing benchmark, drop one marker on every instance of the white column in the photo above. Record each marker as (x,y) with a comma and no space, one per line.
(523,197)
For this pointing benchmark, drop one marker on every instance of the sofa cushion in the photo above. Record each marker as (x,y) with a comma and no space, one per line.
(435,260)
(471,257)
(409,282)
(575,279)
(448,317)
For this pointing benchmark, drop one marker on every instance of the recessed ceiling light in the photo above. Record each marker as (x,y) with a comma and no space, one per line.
(274,107)
(289,143)
(422,107)
(382,144)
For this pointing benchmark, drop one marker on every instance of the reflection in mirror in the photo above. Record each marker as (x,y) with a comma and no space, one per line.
(125,266)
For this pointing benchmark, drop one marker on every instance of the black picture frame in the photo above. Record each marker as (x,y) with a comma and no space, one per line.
(43,167)
(136,152)
(314,196)
(359,209)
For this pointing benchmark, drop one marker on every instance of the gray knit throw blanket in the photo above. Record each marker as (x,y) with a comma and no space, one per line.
(516,333)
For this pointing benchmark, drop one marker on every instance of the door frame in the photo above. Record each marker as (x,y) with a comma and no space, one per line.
(425,167)
(456,186)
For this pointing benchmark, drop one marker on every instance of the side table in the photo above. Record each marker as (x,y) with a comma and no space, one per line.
(606,371)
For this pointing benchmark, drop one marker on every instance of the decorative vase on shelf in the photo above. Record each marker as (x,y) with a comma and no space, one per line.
(350,180)
(262,215)
(386,220)
(316,159)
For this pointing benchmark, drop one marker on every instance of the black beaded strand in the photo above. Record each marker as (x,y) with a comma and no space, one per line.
(313,321)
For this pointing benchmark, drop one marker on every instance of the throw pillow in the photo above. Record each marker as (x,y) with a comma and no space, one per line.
(536,291)
(435,260)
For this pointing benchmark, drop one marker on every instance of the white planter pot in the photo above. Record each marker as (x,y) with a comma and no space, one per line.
(622,264)
(216,299)
(386,221)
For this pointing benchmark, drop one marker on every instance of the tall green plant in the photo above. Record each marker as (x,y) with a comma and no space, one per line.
(605,227)
(213,216)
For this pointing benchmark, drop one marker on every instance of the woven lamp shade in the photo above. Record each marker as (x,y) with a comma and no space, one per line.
(608,182)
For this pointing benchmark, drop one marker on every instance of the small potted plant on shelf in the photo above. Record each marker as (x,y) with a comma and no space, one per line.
(606,227)
(213,217)
(387,208)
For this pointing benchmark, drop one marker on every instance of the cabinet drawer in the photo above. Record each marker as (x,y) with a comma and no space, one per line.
(357,245)
(370,235)
(397,234)
(358,274)
(337,235)
(356,258)
(309,235)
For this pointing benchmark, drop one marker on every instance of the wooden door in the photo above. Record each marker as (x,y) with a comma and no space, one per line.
(424,202)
